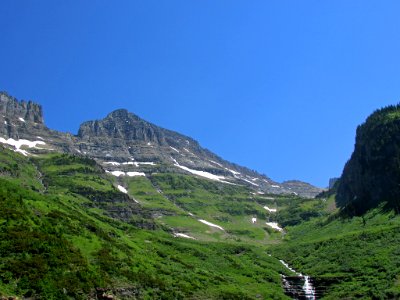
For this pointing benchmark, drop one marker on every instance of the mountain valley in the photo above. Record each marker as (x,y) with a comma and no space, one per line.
(128,210)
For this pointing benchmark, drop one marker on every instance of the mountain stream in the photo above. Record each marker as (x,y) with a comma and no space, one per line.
(299,287)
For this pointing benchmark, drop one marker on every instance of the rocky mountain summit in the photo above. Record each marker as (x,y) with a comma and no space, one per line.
(126,145)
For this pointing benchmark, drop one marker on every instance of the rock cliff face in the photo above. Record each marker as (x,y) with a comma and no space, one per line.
(302,188)
(24,120)
(372,175)
(14,109)
(18,117)
(127,136)
(123,143)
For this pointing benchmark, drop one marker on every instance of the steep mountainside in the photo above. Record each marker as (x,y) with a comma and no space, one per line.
(128,210)
(122,142)
(372,175)
(69,231)
(352,252)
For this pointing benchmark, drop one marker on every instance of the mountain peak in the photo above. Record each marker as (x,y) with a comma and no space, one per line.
(118,113)
(123,142)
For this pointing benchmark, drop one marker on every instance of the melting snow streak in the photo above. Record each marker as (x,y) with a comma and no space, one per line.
(270,209)
(274,225)
(182,235)
(122,189)
(211,224)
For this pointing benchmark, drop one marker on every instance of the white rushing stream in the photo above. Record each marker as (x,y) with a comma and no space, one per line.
(295,286)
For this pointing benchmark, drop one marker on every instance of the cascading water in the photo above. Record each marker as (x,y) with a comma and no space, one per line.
(299,287)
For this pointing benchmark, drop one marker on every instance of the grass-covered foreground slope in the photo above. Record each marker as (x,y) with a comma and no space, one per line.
(349,258)
(64,235)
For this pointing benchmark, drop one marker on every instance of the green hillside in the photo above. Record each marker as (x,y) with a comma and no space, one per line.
(62,237)
(71,230)
(350,258)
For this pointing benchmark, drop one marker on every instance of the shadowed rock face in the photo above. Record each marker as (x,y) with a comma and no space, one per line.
(372,175)
(123,137)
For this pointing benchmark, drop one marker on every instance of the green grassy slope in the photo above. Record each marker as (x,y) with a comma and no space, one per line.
(355,257)
(62,237)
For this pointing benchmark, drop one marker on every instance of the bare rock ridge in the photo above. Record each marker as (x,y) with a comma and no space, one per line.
(28,111)
(17,117)
(24,120)
(302,188)
(123,143)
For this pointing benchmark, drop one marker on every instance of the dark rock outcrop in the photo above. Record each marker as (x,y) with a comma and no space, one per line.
(372,175)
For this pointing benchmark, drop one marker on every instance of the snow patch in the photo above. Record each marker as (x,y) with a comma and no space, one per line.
(182,235)
(21,119)
(270,209)
(150,163)
(5,122)
(211,224)
(176,150)
(202,173)
(275,186)
(251,182)
(113,163)
(17,144)
(116,173)
(133,174)
(131,163)
(274,225)
(130,174)
(215,163)
(122,189)
(233,171)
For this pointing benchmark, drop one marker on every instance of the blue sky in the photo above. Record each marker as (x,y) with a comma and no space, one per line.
(277,86)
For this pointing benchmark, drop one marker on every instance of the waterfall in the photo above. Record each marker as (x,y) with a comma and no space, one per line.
(300,286)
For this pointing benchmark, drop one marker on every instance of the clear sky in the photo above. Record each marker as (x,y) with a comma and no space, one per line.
(277,86)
